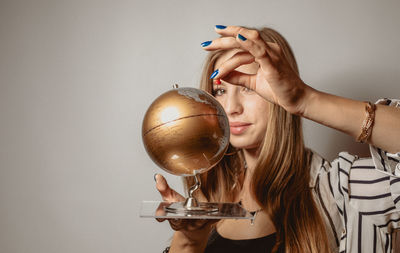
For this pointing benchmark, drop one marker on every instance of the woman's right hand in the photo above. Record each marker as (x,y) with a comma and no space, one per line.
(192,234)
(275,80)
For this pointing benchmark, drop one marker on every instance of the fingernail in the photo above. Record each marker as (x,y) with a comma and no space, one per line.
(220,26)
(214,74)
(217,81)
(241,37)
(206,43)
(155,177)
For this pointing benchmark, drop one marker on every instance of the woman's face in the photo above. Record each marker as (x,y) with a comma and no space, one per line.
(247,111)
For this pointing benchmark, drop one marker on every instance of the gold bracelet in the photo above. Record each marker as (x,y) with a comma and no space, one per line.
(368,123)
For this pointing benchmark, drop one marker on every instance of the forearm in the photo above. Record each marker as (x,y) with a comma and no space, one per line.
(347,115)
(181,244)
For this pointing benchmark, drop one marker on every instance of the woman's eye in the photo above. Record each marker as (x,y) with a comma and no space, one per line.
(219,92)
(245,89)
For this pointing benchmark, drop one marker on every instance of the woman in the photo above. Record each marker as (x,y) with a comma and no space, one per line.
(302,203)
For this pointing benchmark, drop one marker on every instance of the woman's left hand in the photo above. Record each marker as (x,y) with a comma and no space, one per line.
(275,79)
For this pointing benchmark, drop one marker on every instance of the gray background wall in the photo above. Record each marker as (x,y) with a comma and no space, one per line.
(77,76)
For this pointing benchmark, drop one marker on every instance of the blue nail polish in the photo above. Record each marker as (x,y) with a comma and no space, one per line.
(241,37)
(214,74)
(220,26)
(206,43)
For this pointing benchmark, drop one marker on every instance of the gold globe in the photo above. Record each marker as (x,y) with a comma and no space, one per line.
(185,131)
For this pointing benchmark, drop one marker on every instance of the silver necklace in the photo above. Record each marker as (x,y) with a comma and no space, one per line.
(253,213)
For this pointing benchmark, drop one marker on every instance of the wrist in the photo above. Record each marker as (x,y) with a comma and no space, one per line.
(310,99)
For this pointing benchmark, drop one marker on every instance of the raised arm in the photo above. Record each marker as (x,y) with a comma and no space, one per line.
(347,115)
(277,82)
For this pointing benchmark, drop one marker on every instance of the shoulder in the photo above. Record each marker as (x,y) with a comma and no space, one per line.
(319,165)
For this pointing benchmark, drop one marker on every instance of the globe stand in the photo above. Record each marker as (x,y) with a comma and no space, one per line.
(191,206)
(186,132)
(193,209)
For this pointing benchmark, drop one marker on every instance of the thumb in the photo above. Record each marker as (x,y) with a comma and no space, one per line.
(166,192)
(241,79)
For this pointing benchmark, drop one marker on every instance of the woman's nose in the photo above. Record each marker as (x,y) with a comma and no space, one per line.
(233,104)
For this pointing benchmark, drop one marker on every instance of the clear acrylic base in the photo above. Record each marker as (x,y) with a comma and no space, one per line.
(205,210)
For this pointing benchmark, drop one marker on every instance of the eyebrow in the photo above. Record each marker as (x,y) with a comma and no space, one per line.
(223,83)
(216,87)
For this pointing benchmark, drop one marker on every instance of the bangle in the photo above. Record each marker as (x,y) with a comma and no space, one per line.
(368,123)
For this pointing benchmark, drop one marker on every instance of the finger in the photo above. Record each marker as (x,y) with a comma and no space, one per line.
(166,192)
(190,224)
(229,33)
(161,211)
(220,43)
(258,47)
(265,53)
(195,224)
(233,31)
(255,44)
(250,34)
(241,79)
(199,224)
(160,219)
(258,50)
(177,224)
(237,60)
(261,55)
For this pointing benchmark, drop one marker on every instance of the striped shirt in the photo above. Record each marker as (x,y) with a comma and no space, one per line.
(359,198)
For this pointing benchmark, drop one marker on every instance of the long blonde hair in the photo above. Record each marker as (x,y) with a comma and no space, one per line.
(280,182)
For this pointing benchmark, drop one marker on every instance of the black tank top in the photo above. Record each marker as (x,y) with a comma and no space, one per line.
(217,244)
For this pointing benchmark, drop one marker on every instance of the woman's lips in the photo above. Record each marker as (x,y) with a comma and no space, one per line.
(238,127)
